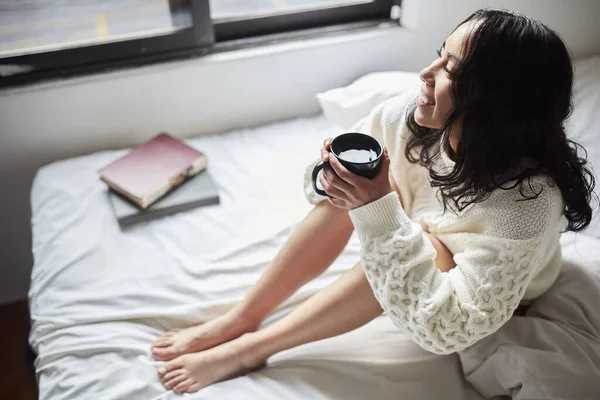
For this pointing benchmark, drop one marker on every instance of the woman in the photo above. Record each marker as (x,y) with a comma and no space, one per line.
(460,228)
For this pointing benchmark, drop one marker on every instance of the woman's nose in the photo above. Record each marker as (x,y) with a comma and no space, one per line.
(427,75)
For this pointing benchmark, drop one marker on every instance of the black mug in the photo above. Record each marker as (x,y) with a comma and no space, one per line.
(359,153)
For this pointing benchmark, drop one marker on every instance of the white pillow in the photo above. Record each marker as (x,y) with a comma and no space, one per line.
(347,105)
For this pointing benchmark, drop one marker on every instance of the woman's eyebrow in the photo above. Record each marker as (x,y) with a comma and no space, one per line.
(451,55)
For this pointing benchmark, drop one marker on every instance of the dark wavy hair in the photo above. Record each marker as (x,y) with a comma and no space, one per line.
(513,92)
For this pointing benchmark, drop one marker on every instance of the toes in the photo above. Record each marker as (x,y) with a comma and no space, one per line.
(193,388)
(169,375)
(183,386)
(163,342)
(166,336)
(163,353)
(169,334)
(175,381)
(163,337)
(173,365)
(168,367)
(158,353)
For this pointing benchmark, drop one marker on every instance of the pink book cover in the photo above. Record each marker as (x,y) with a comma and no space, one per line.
(153,168)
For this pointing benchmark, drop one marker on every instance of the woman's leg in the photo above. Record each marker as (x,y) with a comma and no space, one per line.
(343,306)
(313,246)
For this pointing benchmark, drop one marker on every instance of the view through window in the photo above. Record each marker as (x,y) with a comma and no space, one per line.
(36,25)
(28,26)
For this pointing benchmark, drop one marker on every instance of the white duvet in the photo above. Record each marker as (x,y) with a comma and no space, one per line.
(100,296)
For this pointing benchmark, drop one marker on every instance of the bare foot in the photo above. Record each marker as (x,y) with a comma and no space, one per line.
(192,372)
(200,337)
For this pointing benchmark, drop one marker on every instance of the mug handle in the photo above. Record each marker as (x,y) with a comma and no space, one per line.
(320,165)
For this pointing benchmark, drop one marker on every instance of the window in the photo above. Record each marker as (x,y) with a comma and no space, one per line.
(44,36)
(41,38)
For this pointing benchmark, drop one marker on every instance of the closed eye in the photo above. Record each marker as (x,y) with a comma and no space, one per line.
(445,68)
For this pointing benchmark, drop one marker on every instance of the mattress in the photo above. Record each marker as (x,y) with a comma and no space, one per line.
(100,296)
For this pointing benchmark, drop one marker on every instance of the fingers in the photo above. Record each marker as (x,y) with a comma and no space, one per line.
(384,170)
(347,176)
(325,149)
(328,186)
(335,180)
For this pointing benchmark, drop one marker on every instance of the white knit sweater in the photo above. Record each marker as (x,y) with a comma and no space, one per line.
(506,251)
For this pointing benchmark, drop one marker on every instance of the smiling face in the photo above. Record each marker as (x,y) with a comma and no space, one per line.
(435,103)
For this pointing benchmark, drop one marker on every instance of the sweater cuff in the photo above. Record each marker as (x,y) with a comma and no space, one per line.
(379,217)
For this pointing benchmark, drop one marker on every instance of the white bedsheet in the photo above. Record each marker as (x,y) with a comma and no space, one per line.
(99,296)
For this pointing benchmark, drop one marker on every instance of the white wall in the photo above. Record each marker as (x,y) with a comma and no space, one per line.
(46,122)
(576,21)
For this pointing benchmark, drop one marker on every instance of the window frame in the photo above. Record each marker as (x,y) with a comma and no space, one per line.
(231,29)
(203,37)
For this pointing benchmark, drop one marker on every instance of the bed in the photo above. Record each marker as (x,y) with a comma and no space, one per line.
(100,295)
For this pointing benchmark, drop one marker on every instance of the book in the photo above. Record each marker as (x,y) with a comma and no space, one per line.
(197,191)
(152,169)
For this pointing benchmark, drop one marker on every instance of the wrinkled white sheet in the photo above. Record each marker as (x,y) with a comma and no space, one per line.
(99,296)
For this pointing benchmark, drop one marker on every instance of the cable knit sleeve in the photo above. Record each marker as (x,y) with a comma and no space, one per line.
(443,312)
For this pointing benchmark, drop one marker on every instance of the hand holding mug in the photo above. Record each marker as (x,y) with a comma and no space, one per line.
(355,171)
